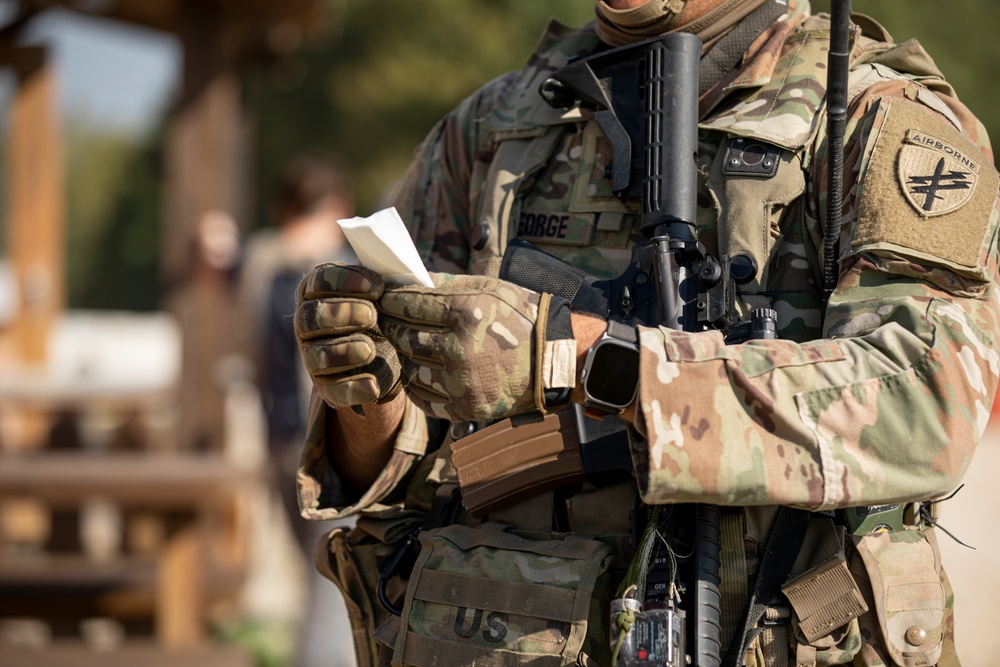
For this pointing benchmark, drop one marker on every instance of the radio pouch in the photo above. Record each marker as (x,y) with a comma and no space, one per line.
(484,595)
(905,572)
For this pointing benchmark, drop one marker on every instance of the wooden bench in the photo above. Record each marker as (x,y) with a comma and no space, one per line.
(196,564)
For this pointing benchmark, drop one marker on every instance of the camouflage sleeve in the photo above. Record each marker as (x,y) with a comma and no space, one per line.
(891,403)
(437,199)
(321,492)
(440,192)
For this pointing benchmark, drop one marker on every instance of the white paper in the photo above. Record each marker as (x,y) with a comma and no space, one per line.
(383,244)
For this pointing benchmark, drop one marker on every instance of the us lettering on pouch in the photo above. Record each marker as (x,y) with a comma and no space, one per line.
(496,625)
(542,225)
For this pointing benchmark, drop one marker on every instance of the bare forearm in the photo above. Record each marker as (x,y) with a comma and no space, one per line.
(360,445)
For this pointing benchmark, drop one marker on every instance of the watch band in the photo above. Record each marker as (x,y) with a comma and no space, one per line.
(623,331)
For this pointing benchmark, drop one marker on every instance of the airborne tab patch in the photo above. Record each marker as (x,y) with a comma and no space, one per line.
(936,177)
(926,192)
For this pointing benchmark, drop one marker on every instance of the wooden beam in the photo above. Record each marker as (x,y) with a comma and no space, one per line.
(35,208)
(207,147)
(180,609)
(61,479)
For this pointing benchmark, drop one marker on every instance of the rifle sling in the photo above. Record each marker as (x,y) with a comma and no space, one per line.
(783,545)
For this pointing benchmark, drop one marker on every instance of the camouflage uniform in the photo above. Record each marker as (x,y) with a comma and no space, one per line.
(881,401)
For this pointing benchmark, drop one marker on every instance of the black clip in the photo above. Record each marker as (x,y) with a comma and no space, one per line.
(390,570)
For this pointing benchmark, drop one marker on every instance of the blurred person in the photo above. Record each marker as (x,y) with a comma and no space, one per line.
(814,457)
(313,191)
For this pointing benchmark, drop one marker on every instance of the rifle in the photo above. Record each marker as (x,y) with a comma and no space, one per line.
(647,95)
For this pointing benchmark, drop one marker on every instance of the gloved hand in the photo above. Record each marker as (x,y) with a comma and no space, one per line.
(336,325)
(474,347)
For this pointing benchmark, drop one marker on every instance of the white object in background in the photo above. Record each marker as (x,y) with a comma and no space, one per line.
(100,529)
(8,293)
(383,244)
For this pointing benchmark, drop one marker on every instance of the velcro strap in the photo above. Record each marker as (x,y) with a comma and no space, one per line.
(725,54)
(556,367)
(825,598)
(623,331)
(513,597)
(423,651)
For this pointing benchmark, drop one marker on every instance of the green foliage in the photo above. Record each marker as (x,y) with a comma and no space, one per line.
(269,644)
(392,68)
(112,227)
(958,34)
(371,90)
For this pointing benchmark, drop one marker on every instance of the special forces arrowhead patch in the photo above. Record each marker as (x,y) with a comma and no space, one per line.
(936,177)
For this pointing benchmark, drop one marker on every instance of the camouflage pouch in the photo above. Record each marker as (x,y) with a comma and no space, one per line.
(486,596)
(910,601)
(349,565)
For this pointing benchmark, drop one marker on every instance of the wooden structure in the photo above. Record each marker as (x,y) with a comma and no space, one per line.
(180,545)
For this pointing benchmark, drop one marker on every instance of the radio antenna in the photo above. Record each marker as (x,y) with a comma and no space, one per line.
(838,66)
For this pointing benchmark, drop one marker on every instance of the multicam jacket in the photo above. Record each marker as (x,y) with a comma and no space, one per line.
(879,399)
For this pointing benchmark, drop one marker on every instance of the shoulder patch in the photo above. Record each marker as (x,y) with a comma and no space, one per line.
(936,177)
(926,191)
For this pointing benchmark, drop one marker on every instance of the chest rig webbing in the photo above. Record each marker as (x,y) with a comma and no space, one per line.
(750,185)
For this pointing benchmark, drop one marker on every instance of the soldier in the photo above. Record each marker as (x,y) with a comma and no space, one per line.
(875,400)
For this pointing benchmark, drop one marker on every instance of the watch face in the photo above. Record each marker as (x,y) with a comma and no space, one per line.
(613,374)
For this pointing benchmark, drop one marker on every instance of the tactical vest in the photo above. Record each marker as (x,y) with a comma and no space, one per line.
(511,591)
(546,183)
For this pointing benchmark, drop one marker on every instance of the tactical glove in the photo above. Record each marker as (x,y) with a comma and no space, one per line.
(478,348)
(336,325)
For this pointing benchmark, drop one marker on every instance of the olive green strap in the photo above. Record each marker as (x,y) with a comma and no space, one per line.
(733,573)
(774,638)
(532,514)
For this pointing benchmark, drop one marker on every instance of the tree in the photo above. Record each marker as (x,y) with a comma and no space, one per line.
(389,70)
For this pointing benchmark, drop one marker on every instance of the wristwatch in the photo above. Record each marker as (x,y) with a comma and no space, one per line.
(611,371)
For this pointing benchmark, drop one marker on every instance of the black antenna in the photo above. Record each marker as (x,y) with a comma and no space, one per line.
(838,65)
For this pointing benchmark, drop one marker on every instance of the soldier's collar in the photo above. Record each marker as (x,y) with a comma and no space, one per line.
(761,58)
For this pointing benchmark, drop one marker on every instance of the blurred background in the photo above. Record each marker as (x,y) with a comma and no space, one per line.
(168,169)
